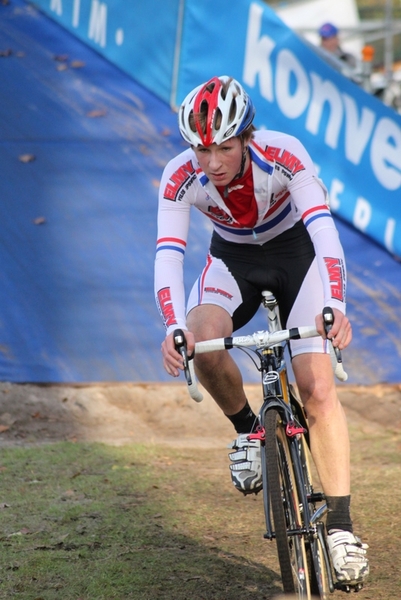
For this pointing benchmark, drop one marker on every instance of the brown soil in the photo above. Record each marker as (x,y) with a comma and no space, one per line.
(150,412)
(164,413)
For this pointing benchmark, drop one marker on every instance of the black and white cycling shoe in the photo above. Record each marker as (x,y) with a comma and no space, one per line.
(348,556)
(246,468)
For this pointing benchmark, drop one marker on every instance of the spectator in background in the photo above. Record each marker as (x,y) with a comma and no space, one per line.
(330,42)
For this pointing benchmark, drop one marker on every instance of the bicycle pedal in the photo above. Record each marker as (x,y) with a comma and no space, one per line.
(348,588)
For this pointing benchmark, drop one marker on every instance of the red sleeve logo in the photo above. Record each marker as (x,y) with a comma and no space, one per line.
(166,307)
(179,182)
(285,159)
(336,272)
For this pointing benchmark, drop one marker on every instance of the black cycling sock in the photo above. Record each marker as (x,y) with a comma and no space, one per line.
(338,513)
(244,420)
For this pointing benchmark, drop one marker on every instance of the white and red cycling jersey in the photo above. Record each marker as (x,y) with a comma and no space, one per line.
(286,189)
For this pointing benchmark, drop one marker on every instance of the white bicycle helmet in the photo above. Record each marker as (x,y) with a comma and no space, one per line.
(225,106)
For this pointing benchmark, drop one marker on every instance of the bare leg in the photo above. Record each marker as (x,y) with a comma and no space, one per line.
(327,422)
(217,371)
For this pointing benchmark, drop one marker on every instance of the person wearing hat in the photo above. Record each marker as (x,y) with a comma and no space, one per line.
(329,41)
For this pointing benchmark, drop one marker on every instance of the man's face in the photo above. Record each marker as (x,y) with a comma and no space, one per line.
(222,162)
(330,44)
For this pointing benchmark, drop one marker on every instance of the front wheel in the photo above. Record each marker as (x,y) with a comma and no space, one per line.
(292,552)
(321,584)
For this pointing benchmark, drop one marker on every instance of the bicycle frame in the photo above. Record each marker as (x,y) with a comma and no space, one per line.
(288,442)
(277,394)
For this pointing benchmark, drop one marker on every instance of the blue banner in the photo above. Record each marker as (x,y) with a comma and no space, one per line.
(170,47)
(354,139)
(139,37)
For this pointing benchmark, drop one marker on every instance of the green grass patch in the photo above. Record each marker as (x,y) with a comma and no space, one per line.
(82,521)
(93,522)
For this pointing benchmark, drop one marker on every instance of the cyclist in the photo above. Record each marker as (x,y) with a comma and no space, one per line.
(272,229)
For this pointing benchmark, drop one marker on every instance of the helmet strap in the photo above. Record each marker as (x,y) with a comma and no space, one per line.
(241,169)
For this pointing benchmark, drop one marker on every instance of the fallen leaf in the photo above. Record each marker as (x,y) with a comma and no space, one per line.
(26,158)
(101,112)
(62,67)
(61,57)
(144,149)
(6,52)
(39,220)
(36,415)
(77,64)
(4,428)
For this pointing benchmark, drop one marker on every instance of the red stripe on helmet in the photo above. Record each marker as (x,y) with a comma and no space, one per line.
(211,98)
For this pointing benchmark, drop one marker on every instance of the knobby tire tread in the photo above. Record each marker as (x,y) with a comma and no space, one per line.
(319,582)
(279,475)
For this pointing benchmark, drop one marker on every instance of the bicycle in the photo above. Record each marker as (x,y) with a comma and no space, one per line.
(294,510)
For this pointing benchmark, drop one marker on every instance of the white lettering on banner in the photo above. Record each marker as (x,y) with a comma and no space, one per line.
(336,188)
(75,12)
(389,235)
(356,136)
(292,105)
(56,6)
(358,123)
(385,154)
(257,55)
(98,23)
(322,92)
(119,37)
(362,214)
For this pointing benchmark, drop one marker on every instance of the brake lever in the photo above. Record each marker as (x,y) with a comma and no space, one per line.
(328,320)
(189,371)
(180,343)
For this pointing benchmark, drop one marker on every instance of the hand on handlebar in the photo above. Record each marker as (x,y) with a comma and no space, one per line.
(172,359)
(340,332)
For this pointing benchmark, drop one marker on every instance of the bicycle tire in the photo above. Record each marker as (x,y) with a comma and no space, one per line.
(285,508)
(320,580)
(316,554)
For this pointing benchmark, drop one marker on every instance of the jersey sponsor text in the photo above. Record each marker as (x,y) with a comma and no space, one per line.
(166,307)
(335,269)
(179,182)
(214,290)
(285,159)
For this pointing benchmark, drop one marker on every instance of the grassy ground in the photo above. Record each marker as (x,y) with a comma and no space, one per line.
(95,522)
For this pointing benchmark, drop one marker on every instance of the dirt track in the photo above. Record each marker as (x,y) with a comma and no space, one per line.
(121,413)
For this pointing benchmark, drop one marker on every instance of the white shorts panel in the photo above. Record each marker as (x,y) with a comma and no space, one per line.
(217,286)
(308,304)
